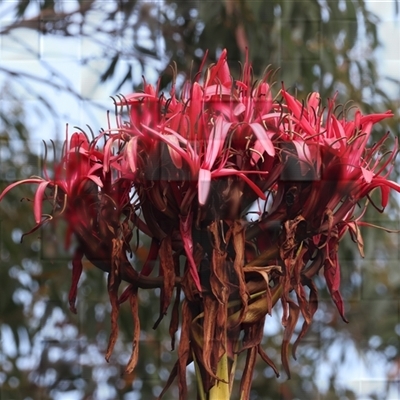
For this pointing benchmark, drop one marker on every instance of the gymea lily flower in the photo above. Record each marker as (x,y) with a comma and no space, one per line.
(185,170)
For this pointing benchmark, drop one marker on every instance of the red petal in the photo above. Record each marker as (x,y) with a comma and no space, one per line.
(216,90)
(367,174)
(37,203)
(79,140)
(183,153)
(219,73)
(374,118)
(263,137)
(241,174)
(131,153)
(175,156)
(385,191)
(13,185)
(239,109)
(296,108)
(216,142)
(204,185)
(96,180)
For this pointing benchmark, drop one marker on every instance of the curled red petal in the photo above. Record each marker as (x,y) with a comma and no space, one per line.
(242,174)
(37,204)
(13,185)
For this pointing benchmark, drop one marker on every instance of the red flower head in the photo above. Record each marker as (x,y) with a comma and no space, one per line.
(185,170)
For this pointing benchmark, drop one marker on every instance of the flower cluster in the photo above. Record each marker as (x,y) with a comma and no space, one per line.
(185,170)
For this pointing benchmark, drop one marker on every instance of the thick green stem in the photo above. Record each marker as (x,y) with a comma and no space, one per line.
(220,391)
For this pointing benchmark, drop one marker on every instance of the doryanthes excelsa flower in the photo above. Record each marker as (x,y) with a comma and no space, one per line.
(185,170)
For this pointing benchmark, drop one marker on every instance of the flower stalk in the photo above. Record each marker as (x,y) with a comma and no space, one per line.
(187,171)
(221,389)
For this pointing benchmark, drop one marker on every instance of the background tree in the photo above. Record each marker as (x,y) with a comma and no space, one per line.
(322,46)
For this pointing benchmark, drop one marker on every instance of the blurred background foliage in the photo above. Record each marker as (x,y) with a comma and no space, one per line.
(46,352)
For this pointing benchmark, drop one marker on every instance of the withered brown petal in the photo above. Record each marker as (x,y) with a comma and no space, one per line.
(267,360)
(239,247)
(218,278)
(167,270)
(133,300)
(253,334)
(184,350)
(294,311)
(221,330)
(312,307)
(210,359)
(113,295)
(173,374)
(113,283)
(174,322)
(76,274)
(245,383)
